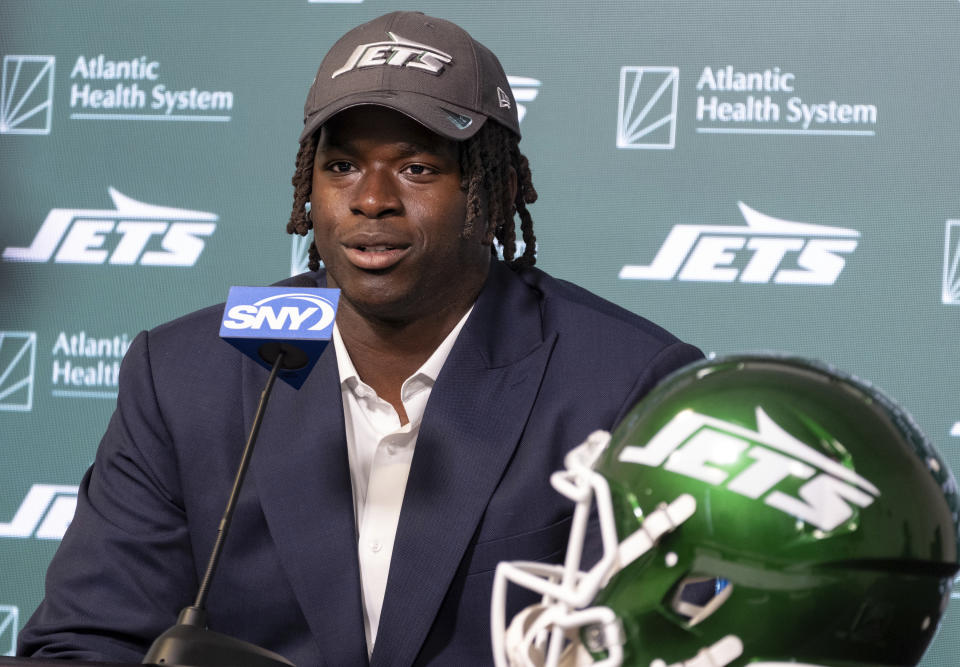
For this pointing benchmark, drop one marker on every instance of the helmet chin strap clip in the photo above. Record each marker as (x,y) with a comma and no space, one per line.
(604,636)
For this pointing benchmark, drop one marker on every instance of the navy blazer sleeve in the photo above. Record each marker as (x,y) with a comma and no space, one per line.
(539,365)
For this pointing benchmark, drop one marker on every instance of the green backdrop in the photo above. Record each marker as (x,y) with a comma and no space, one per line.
(751,174)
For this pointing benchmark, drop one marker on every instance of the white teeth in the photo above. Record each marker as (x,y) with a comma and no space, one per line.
(376,248)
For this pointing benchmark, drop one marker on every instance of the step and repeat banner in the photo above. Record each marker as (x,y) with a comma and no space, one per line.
(750,174)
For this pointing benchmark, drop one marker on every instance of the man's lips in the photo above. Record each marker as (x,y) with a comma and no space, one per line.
(375,257)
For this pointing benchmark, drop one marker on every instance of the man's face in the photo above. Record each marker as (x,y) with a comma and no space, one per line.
(389,217)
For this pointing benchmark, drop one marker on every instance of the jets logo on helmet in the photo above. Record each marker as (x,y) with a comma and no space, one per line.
(699,446)
(742,524)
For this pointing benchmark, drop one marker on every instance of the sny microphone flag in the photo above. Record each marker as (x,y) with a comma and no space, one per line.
(260,321)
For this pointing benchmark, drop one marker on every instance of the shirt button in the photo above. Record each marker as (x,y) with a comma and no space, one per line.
(376,546)
(391,450)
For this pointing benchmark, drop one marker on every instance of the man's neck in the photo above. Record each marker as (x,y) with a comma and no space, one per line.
(385,353)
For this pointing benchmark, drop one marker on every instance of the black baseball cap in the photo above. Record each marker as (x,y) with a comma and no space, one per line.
(427,68)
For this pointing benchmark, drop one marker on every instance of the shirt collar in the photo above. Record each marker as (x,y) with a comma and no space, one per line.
(430,369)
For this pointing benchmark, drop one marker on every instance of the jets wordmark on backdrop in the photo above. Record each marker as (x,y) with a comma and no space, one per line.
(45,513)
(765,250)
(730,101)
(132,233)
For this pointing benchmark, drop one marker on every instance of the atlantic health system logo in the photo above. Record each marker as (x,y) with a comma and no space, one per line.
(9,627)
(137,89)
(951,264)
(761,100)
(18,361)
(133,232)
(647,112)
(765,250)
(26,94)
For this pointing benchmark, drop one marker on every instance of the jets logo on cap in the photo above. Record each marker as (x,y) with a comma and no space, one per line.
(398,52)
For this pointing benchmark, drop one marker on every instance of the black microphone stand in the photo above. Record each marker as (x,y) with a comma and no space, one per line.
(190,643)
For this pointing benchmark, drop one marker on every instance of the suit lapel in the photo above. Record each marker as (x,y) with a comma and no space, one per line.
(471,426)
(303,481)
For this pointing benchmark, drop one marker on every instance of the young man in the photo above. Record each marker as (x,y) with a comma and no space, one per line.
(416,456)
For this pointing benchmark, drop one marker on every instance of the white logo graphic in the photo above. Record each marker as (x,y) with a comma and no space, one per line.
(398,52)
(502,98)
(698,446)
(26,94)
(132,233)
(707,252)
(116,90)
(258,314)
(752,102)
(955,431)
(87,366)
(9,627)
(647,113)
(18,358)
(45,513)
(524,89)
(951,263)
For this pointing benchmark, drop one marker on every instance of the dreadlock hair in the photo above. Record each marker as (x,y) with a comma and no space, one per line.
(485,162)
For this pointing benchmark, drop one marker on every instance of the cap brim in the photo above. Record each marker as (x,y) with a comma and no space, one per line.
(447,120)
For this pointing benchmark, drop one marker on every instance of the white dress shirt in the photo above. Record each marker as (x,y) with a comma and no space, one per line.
(380,451)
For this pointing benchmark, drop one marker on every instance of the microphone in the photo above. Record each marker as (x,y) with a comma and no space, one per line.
(284,329)
(260,321)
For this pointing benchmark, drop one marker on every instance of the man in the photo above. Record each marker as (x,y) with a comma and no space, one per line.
(415,456)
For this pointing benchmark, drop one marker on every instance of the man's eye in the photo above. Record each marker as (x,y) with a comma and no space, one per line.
(419,169)
(340,167)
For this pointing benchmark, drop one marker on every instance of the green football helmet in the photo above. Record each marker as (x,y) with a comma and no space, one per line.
(753,510)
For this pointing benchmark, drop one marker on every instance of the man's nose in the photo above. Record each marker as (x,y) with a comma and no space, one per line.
(375,195)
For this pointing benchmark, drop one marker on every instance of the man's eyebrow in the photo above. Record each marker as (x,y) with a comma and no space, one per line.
(413,148)
(405,148)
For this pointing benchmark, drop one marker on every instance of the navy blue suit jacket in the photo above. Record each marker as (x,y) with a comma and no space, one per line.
(539,365)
